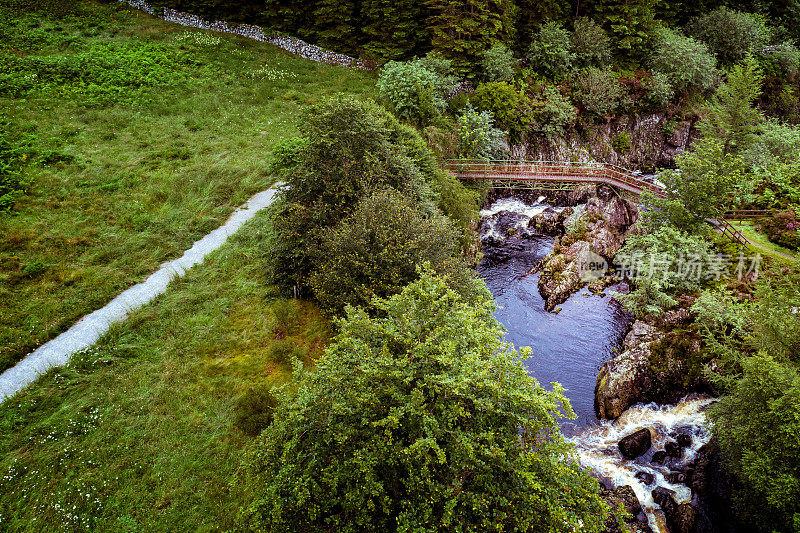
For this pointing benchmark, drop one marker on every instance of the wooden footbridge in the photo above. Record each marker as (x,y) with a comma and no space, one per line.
(556,175)
(550,175)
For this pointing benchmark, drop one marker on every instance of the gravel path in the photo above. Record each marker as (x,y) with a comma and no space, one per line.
(90,328)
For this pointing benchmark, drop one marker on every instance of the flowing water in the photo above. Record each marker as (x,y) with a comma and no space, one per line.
(570,346)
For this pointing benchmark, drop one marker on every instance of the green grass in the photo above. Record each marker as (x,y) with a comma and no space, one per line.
(764,245)
(127,172)
(138,434)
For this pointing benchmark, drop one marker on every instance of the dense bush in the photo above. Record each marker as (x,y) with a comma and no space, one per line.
(477,136)
(376,251)
(14,148)
(508,106)
(732,34)
(550,52)
(659,89)
(553,114)
(254,410)
(421,418)
(661,264)
(590,43)
(783,228)
(497,63)
(415,92)
(686,62)
(599,91)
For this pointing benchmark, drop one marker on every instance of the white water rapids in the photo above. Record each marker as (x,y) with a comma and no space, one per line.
(598,449)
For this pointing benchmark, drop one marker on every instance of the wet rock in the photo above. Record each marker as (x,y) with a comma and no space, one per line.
(622,380)
(683,440)
(645,477)
(673,449)
(636,444)
(550,221)
(683,478)
(636,520)
(659,457)
(680,517)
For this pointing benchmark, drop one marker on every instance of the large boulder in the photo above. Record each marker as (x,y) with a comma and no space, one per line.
(636,522)
(680,517)
(636,444)
(623,380)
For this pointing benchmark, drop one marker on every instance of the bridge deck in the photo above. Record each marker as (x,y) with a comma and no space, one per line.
(508,172)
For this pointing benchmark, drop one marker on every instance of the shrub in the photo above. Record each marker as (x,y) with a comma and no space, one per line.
(622,142)
(730,34)
(497,63)
(685,62)
(477,136)
(590,43)
(421,418)
(550,52)
(376,251)
(783,228)
(287,154)
(507,104)
(781,63)
(599,91)
(254,410)
(659,89)
(553,114)
(415,92)
(13,148)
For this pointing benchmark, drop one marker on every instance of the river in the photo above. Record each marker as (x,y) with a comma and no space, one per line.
(570,346)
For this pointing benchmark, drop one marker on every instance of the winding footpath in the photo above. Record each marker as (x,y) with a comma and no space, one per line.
(90,328)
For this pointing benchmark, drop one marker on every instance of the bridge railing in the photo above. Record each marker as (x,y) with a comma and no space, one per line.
(550,171)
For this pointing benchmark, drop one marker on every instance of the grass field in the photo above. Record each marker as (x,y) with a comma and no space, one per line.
(146,135)
(139,434)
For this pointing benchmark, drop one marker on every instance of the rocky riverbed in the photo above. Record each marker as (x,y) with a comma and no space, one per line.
(655,459)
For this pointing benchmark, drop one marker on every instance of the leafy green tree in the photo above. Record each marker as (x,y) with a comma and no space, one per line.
(414,92)
(352,147)
(497,63)
(599,91)
(708,181)
(553,114)
(659,89)
(550,52)
(337,25)
(508,105)
(731,34)
(732,117)
(376,251)
(477,136)
(421,418)
(590,43)
(756,424)
(686,62)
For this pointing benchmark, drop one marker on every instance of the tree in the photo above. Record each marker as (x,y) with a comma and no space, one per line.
(686,62)
(599,91)
(707,181)
(553,114)
(731,34)
(376,251)
(395,29)
(462,30)
(351,148)
(631,25)
(497,63)
(590,43)
(550,52)
(508,106)
(477,136)
(418,419)
(732,118)
(414,92)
